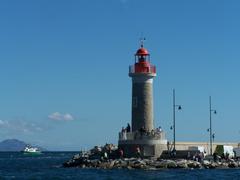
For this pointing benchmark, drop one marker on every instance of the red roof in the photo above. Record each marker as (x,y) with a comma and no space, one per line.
(142,52)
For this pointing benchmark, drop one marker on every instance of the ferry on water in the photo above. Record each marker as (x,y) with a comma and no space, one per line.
(31,150)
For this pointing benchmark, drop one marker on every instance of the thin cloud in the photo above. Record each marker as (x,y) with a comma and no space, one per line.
(68,117)
(20,126)
(4,123)
(56,116)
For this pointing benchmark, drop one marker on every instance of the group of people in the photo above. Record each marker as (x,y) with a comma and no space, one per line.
(137,153)
(124,132)
(110,151)
(140,133)
(199,156)
(154,132)
(106,155)
(127,129)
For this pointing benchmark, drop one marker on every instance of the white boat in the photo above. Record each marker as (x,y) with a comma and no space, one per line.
(31,150)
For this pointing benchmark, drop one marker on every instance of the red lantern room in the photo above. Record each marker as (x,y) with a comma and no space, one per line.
(142,62)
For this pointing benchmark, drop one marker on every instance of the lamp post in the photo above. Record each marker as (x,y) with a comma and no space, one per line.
(174,121)
(211,135)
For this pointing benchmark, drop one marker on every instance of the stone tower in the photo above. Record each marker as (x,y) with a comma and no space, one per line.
(142,74)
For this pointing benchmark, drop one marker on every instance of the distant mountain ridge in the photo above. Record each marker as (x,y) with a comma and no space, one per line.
(15,145)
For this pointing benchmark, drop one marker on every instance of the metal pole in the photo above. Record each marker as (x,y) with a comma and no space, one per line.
(210,106)
(174,136)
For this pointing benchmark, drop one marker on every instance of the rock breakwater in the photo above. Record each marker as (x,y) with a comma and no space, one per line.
(98,159)
(147,164)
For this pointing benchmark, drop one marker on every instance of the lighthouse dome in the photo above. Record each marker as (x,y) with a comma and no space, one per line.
(142,52)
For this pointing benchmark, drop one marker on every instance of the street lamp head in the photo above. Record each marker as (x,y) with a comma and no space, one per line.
(213,135)
(179,107)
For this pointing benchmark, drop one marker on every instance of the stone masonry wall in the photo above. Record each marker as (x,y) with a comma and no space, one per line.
(142,106)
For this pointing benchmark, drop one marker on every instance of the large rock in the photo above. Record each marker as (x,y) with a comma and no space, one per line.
(95,163)
(159,164)
(194,164)
(182,163)
(139,164)
(166,164)
(171,164)
(206,164)
(122,163)
(104,165)
(213,165)
(224,165)
(233,164)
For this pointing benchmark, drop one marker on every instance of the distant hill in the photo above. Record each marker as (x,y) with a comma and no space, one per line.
(14,145)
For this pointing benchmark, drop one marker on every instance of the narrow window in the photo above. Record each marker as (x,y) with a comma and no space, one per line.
(134,102)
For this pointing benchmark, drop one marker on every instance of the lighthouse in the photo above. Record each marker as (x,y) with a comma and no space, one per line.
(142,136)
(142,74)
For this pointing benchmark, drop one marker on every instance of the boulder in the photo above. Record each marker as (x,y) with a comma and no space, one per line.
(83,166)
(194,164)
(159,164)
(104,165)
(166,164)
(182,163)
(139,164)
(224,165)
(171,164)
(232,164)
(206,164)
(95,163)
(213,165)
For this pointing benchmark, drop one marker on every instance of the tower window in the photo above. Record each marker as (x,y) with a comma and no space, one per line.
(134,102)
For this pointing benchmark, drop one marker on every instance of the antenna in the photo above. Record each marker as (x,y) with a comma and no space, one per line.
(142,39)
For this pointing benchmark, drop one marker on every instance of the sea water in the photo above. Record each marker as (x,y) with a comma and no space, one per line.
(48,166)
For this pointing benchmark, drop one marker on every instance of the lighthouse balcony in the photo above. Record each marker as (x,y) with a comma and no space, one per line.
(142,69)
(153,135)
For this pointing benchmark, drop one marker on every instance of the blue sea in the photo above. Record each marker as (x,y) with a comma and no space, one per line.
(48,166)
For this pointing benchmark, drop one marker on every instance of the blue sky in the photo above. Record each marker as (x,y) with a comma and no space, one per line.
(64,68)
